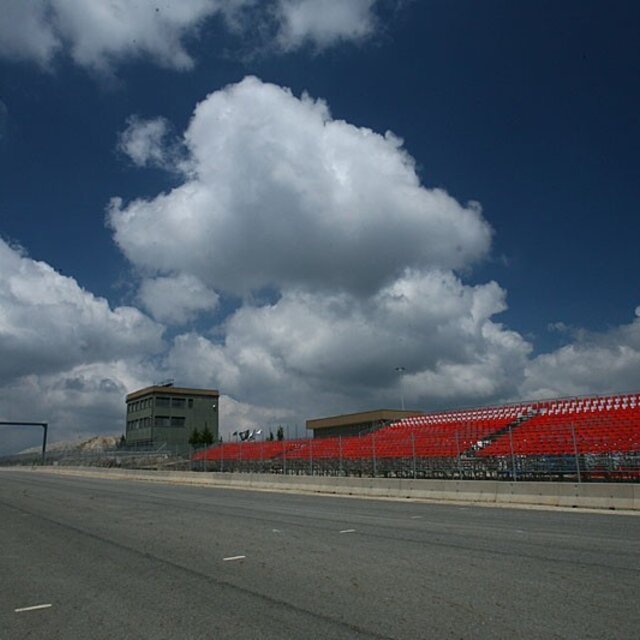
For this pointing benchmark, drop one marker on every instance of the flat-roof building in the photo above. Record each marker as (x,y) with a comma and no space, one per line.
(167,415)
(352,424)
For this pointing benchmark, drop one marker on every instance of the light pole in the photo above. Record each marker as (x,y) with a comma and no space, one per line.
(400,371)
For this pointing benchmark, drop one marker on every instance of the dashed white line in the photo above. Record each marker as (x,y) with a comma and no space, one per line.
(233,558)
(275,530)
(348,531)
(416,517)
(34,608)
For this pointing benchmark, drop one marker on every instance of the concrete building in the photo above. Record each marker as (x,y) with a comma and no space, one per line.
(167,415)
(352,424)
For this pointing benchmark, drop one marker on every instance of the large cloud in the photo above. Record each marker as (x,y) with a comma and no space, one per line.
(280,194)
(98,35)
(361,264)
(47,322)
(310,352)
(65,355)
(604,362)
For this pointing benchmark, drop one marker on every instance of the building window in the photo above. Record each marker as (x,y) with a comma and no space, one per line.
(190,403)
(162,421)
(162,401)
(177,421)
(177,403)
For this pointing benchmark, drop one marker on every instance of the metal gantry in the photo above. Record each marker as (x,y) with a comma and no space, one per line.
(44,425)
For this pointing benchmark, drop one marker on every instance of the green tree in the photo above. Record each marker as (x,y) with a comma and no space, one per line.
(270,438)
(280,433)
(206,437)
(195,439)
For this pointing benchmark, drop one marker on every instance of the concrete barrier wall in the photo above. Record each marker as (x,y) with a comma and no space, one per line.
(552,494)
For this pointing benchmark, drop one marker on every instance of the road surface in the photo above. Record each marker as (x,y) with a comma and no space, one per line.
(111,559)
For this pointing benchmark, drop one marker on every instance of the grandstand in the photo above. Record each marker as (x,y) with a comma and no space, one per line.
(583,438)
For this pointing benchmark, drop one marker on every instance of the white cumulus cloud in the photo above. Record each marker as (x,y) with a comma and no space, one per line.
(605,362)
(310,352)
(100,35)
(145,143)
(176,300)
(322,23)
(280,194)
(48,322)
(344,264)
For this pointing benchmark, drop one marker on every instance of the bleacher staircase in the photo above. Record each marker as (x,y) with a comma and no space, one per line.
(492,437)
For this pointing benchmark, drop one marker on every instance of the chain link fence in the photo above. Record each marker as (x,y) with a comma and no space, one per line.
(556,453)
(178,458)
(578,453)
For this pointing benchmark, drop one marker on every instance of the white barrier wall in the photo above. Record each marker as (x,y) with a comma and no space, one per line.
(553,494)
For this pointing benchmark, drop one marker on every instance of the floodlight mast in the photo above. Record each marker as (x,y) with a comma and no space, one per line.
(44,425)
(400,371)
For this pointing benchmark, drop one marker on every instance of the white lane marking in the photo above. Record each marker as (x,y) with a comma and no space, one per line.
(416,517)
(34,608)
(348,531)
(233,558)
(275,530)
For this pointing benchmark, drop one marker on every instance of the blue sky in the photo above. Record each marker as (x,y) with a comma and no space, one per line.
(529,109)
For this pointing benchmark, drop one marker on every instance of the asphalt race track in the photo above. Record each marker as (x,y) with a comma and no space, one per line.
(122,559)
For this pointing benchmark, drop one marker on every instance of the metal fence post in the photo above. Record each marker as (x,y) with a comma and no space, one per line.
(311,457)
(513,457)
(284,459)
(575,451)
(413,453)
(458,454)
(373,451)
(222,456)
(340,453)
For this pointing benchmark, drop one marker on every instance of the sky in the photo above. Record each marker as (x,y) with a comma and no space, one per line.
(288,200)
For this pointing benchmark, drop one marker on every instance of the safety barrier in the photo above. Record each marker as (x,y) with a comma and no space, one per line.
(550,494)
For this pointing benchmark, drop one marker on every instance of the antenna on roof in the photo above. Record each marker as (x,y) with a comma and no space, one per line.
(168,382)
